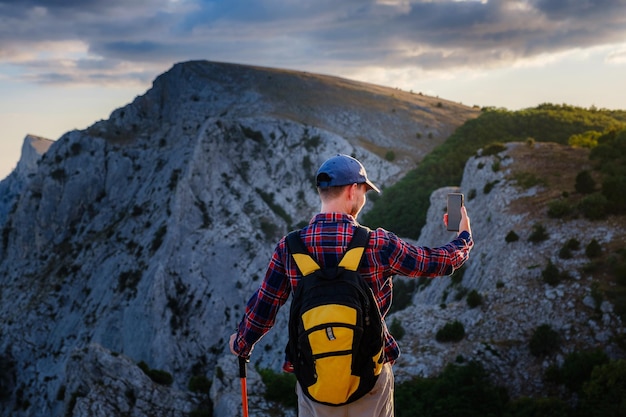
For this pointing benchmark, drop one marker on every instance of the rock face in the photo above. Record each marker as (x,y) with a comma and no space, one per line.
(33,149)
(508,276)
(141,238)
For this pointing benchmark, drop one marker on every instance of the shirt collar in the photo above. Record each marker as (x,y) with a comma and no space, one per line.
(333,218)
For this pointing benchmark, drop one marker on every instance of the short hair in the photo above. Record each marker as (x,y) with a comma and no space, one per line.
(330,193)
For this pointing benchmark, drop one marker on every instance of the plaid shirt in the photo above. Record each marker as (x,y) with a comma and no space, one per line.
(327,237)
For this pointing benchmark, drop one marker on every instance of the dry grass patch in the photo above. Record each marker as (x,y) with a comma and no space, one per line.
(552,168)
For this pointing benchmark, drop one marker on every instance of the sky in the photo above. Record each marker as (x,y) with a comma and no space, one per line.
(65,64)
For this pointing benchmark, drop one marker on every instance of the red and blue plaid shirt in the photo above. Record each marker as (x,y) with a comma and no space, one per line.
(327,237)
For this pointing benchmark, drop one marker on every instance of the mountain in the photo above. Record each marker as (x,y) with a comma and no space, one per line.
(129,249)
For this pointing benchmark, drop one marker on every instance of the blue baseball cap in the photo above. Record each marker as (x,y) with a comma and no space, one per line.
(342,170)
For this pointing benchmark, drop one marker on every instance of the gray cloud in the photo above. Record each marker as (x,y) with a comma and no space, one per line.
(431,35)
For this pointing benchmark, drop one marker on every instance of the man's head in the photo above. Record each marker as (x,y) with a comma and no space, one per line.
(343,170)
(342,183)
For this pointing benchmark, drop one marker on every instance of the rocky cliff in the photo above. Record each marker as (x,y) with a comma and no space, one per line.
(139,239)
(129,249)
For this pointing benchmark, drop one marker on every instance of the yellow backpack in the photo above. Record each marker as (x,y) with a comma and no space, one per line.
(335,327)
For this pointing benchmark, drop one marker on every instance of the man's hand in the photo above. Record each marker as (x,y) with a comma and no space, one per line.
(464,224)
(231,344)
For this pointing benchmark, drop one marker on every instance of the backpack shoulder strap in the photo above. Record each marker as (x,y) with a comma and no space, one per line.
(352,258)
(306,264)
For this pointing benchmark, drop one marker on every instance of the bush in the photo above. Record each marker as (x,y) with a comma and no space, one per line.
(539,407)
(585,183)
(557,209)
(396,329)
(201,413)
(613,190)
(460,390)
(578,366)
(594,206)
(573,244)
(538,234)
(199,384)
(451,332)
(544,341)
(403,290)
(474,299)
(551,274)
(511,237)
(593,249)
(565,252)
(489,186)
(493,149)
(605,393)
(280,388)
(159,376)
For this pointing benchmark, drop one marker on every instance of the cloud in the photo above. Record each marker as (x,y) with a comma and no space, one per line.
(107,41)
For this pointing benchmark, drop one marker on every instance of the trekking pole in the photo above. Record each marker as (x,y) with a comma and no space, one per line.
(244,389)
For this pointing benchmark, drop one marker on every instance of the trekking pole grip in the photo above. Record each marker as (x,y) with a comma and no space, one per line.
(243,360)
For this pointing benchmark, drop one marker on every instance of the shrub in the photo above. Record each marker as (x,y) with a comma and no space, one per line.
(573,244)
(605,393)
(585,183)
(156,375)
(557,209)
(565,252)
(493,149)
(199,384)
(538,407)
(474,299)
(593,249)
(578,366)
(396,329)
(538,234)
(613,189)
(451,332)
(280,388)
(511,237)
(527,180)
(588,139)
(390,155)
(551,274)
(201,413)
(460,390)
(594,206)
(457,275)
(544,341)
(489,186)
(403,290)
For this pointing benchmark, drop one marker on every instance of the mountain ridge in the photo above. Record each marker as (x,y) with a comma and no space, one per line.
(145,233)
(140,238)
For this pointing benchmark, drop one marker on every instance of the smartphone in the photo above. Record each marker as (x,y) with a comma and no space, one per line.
(455,202)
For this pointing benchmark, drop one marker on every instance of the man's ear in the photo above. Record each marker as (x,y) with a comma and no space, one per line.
(352,191)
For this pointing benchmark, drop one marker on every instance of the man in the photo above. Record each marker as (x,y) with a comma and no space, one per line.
(342,184)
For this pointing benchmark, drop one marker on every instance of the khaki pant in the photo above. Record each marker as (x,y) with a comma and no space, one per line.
(377,403)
